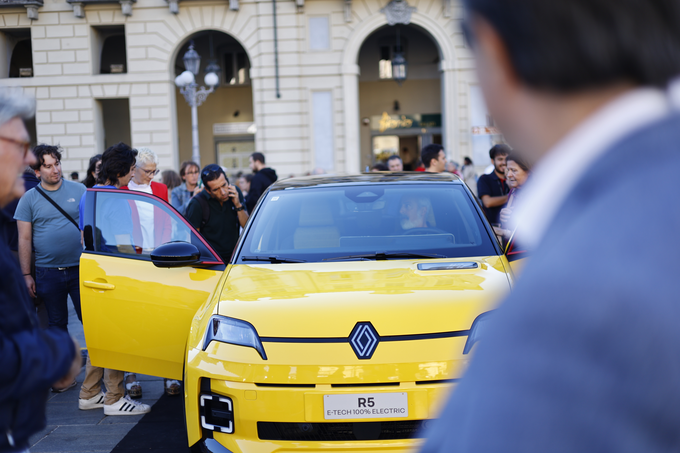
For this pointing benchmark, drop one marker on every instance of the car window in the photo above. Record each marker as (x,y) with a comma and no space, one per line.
(313,224)
(134,225)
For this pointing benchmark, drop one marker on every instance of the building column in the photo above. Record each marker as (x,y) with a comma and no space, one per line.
(350,88)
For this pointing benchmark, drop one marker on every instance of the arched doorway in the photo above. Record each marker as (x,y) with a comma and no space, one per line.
(225,119)
(399,118)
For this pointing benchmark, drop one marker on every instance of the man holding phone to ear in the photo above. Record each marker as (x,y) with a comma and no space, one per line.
(218,211)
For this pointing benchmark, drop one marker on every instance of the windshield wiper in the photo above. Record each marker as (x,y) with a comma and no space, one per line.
(385,256)
(271,259)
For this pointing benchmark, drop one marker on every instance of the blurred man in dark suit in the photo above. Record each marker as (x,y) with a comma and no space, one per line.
(584,355)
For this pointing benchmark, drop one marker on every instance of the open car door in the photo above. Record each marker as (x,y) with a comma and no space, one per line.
(515,254)
(137,316)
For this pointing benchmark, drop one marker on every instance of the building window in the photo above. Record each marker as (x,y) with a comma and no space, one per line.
(319,33)
(236,68)
(16,53)
(113,122)
(110,48)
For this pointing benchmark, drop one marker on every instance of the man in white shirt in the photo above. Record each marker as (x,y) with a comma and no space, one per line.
(584,355)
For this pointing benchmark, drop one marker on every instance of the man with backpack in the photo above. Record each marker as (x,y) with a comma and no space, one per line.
(218,211)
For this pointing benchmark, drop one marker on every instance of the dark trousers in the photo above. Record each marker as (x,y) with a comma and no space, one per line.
(53,286)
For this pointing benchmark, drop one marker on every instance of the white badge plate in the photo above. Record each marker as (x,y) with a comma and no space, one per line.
(365,405)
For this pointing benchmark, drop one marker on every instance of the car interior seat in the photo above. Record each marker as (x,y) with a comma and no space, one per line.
(317,227)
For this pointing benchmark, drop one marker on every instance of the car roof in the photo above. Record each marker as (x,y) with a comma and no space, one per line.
(365,178)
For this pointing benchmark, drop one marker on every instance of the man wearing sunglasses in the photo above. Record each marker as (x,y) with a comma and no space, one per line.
(584,355)
(218,211)
(31,359)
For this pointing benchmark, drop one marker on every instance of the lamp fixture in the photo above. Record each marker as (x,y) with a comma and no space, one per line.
(399,63)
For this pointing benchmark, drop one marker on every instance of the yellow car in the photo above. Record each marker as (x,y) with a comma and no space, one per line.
(341,322)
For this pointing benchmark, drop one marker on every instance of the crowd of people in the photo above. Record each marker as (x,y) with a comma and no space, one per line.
(42,224)
(496,190)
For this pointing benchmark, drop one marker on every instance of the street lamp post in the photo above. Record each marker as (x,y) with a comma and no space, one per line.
(195,96)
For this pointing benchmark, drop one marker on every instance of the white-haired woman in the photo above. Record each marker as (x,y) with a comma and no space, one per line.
(155,230)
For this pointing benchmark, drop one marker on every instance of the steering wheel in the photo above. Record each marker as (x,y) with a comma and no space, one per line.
(414,231)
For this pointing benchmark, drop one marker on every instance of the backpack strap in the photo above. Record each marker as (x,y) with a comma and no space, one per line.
(205,210)
(56,206)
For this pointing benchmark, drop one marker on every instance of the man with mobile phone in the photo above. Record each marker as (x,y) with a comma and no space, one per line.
(218,211)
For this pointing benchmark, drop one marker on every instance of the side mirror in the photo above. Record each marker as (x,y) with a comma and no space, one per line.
(175,254)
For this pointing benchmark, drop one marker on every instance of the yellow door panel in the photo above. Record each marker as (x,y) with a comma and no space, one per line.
(136,316)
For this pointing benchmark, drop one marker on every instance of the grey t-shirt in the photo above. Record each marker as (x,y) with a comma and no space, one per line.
(56,240)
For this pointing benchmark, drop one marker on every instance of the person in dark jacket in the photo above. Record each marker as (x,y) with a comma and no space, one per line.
(31,359)
(263,177)
(584,353)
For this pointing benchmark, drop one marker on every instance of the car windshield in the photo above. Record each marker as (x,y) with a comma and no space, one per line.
(356,222)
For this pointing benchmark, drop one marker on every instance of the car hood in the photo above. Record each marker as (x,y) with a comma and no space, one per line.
(329,299)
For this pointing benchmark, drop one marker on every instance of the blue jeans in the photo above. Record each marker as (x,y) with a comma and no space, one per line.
(54,285)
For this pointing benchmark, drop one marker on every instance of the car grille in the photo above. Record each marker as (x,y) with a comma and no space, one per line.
(405,429)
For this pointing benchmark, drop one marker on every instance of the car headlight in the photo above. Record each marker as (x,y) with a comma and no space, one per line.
(479,326)
(233,331)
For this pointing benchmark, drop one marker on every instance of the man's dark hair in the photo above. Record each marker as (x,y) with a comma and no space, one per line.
(467,161)
(258,157)
(116,162)
(41,150)
(185,166)
(430,152)
(379,166)
(499,150)
(393,157)
(519,160)
(212,172)
(573,45)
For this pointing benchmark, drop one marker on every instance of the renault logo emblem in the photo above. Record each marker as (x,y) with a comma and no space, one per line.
(364,339)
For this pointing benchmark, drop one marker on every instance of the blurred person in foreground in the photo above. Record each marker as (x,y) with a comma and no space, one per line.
(578,359)
(31,359)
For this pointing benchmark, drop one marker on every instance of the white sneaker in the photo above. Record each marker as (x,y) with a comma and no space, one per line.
(95,402)
(126,406)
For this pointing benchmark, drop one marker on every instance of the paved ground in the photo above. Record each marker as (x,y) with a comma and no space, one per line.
(72,430)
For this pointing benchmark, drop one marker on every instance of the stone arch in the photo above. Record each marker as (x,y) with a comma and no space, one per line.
(177,99)
(350,74)
(188,35)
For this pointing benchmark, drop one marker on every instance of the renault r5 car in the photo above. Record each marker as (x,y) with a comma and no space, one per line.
(341,322)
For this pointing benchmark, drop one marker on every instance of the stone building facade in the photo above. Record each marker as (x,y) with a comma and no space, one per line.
(309,86)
